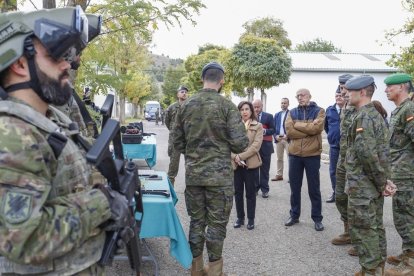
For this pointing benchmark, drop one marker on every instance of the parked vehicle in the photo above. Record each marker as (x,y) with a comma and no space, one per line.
(150,109)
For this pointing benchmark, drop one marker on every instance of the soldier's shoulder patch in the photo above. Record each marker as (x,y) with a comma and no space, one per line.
(17,207)
(360,129)
(409,118)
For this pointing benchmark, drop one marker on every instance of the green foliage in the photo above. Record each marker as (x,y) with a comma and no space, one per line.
(209,46)
(259,63)
(172,80)
(268,27)
(8,5)
(317,45)
(195,63)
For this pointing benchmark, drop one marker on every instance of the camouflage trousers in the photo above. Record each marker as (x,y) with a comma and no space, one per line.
(403,213)
(93,270)
(208,207)
(365,218)
(341,198)
(174,164)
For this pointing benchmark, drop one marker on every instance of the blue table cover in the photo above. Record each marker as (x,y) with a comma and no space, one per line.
(161,220)
(147,150)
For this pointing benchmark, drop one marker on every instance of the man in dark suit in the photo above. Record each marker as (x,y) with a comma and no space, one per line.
(281,139)
(266,149)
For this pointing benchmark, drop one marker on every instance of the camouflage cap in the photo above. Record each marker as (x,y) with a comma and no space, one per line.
(182,87)
(343,78)
(359,82)
(397,78)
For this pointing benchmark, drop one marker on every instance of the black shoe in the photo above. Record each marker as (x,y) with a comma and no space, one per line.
(250,224)
(238,223)
(291,221)
(265,194)
(319,226)
(331,199)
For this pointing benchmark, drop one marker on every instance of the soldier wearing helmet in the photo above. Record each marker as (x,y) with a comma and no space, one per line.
(208,129)
(52,217)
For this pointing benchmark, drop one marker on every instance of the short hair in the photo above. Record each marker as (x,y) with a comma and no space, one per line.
(213,75)
(285,99)
(370,90)
(253,116)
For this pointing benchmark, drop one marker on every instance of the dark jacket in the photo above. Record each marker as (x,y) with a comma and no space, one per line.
(332,126)
(278,125)
(269,129)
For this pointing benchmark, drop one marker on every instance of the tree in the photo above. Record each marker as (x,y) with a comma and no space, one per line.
(8,5)
(259,63)
(172,80)
(317,45)
(268,27)
(405,60)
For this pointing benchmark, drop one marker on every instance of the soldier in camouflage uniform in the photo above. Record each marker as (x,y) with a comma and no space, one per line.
(367,171)
(208,129)
(402,169)
(52,221)
(341,198)
(174,155)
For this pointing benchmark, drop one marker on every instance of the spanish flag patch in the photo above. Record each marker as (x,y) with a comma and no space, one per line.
(410,118)
(359,129)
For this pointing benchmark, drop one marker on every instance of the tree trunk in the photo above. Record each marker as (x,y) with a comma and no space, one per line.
(121,109)
(250,94)
(8,5)
(49,4)
(263,97)
(82,3)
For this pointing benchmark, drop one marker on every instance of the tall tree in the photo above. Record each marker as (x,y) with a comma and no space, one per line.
(172,80)
(259,63)
(317,45)
(268,27)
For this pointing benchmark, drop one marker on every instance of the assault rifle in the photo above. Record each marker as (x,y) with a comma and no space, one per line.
(122,177)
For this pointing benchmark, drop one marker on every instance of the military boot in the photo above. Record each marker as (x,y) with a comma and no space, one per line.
(379,271)
(197,266)
(394,260)
(215,268)
(343,238)
(405,267)
(352,251)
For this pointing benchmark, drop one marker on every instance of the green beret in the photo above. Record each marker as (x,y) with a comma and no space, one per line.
(397,78)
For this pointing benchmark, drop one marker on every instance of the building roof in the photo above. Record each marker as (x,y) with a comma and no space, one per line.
(341,62)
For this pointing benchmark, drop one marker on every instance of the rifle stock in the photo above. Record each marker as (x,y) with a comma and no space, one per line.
(123,177)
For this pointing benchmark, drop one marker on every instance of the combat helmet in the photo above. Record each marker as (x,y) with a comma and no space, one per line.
(64,32)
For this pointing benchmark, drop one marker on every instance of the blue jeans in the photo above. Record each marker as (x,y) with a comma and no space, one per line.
(333,161)
(311,166)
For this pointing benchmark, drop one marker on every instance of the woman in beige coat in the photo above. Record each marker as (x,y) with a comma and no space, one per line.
(246,167)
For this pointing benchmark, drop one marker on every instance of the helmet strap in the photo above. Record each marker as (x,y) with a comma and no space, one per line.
(29,52)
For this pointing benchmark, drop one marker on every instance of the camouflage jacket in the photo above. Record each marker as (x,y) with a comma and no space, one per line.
(49,215)
(347,114)
(71,109)
(366,162)
(401,141)
(208,129)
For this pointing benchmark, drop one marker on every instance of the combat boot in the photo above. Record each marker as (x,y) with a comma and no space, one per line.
(197,266)
(215,268)
(378,271)
(352,251)
(394,260)
(343,238)
(405,267)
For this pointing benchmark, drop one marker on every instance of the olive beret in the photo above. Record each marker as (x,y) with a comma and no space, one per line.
(359,82)
(211,65)
(343,78)
(397,78)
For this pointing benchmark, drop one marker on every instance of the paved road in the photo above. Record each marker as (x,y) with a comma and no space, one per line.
(271,248)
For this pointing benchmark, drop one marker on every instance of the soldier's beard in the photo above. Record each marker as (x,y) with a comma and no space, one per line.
(53,91)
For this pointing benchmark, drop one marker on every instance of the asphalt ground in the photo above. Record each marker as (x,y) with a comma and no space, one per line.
(271,248)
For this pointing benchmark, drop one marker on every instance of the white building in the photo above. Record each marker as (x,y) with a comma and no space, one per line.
(319,73)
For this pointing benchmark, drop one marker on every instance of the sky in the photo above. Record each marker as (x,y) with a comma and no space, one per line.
(355,26)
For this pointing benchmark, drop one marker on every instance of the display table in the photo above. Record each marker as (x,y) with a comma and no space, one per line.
(160,217)
(147,150)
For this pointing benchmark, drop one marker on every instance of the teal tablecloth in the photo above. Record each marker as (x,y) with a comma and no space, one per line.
(161,220)
(147,150)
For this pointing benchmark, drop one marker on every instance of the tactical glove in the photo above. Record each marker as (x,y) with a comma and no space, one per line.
(119,208)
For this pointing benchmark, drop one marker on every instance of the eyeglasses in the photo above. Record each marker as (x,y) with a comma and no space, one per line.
(301,96)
